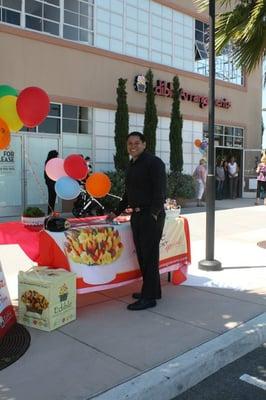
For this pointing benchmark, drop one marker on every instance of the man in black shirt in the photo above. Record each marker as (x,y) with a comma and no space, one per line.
(145,189)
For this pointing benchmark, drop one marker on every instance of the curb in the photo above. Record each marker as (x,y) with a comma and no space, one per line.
(181,373)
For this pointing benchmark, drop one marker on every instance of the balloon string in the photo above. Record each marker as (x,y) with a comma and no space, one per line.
(113,195)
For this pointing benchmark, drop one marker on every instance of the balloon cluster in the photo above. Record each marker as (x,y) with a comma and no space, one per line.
(201,145)
(67,172)
(28,108)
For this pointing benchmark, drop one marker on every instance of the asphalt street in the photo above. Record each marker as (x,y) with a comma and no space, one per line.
(227,385)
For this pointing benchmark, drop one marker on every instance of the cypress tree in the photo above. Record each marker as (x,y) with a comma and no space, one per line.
(150,118)
(121,127)
(175,134)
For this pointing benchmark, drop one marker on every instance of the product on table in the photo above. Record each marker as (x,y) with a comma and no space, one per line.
(47,297)
(93,246)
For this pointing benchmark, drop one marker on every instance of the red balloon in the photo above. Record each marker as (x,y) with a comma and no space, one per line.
(33,106)
(76,166)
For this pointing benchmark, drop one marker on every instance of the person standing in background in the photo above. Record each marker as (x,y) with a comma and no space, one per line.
(89,165)
(220,178)
(200,175)
(261,179)
(233,170)
(226,180)
(50,183)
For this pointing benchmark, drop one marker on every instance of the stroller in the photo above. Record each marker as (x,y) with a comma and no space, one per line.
(85,205)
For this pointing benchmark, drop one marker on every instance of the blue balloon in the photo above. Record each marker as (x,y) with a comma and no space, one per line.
(67,188)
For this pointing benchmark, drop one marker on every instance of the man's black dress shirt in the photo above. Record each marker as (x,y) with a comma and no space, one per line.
(145,184)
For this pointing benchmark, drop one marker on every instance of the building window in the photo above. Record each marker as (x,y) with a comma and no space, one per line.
(109,25)
(77,119)
(10,11)
(43,15)
(147,30)
(78,20)
(52,123)
(225,68)
(226,136)
(67,119)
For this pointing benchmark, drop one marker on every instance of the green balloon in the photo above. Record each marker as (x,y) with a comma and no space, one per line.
(6,90)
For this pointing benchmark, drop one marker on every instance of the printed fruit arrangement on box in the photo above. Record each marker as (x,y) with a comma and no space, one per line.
(34,301)
(93,246)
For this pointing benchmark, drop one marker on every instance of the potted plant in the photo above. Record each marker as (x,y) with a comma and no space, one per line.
(33,216)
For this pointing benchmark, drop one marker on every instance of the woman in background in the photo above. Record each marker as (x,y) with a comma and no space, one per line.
(200,175)
(261,179)
(50,183)
(220,178)
(233,170)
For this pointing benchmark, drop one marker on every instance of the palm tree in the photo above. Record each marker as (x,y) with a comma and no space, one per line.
(244,27)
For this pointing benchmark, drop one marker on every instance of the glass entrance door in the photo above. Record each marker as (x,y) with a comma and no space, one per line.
(251,159)
(21,173)
(36,150)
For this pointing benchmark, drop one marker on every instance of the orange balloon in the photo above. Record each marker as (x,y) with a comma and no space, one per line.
(4,135)
(98,184)
(197,142)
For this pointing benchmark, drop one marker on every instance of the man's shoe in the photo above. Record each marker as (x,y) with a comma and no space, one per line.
(141,304)
(137,296)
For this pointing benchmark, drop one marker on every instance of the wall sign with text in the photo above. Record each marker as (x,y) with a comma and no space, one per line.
(164,89)
(7,162)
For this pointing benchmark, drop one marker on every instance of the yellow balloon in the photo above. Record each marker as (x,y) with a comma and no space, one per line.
(8,112)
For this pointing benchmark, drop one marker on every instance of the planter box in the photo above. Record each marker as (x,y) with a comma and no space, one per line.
(33,220)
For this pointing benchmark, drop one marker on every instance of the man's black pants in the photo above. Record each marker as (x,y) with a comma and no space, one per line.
(147,233)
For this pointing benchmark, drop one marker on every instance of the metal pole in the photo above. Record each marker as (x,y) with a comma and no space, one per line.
(209,264)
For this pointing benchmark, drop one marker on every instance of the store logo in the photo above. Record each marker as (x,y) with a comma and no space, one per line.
(140,83)
(164,89)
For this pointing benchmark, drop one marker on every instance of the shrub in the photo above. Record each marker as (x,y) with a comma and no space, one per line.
(175,134)
(121,126)
(34,212)
(118,186)
(180,185)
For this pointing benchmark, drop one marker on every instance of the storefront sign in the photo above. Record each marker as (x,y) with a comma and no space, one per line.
(164,89)
(7,162)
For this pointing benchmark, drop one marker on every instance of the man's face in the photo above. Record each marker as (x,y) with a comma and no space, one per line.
(135,146)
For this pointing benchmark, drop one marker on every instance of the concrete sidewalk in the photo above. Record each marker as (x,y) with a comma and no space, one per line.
(111,353)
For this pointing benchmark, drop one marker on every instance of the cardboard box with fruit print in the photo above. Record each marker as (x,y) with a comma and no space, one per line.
(47,298)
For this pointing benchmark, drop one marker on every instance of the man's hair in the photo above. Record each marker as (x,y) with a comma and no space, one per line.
(139,134)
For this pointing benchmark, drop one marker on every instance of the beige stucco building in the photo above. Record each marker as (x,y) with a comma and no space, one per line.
(77,50)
